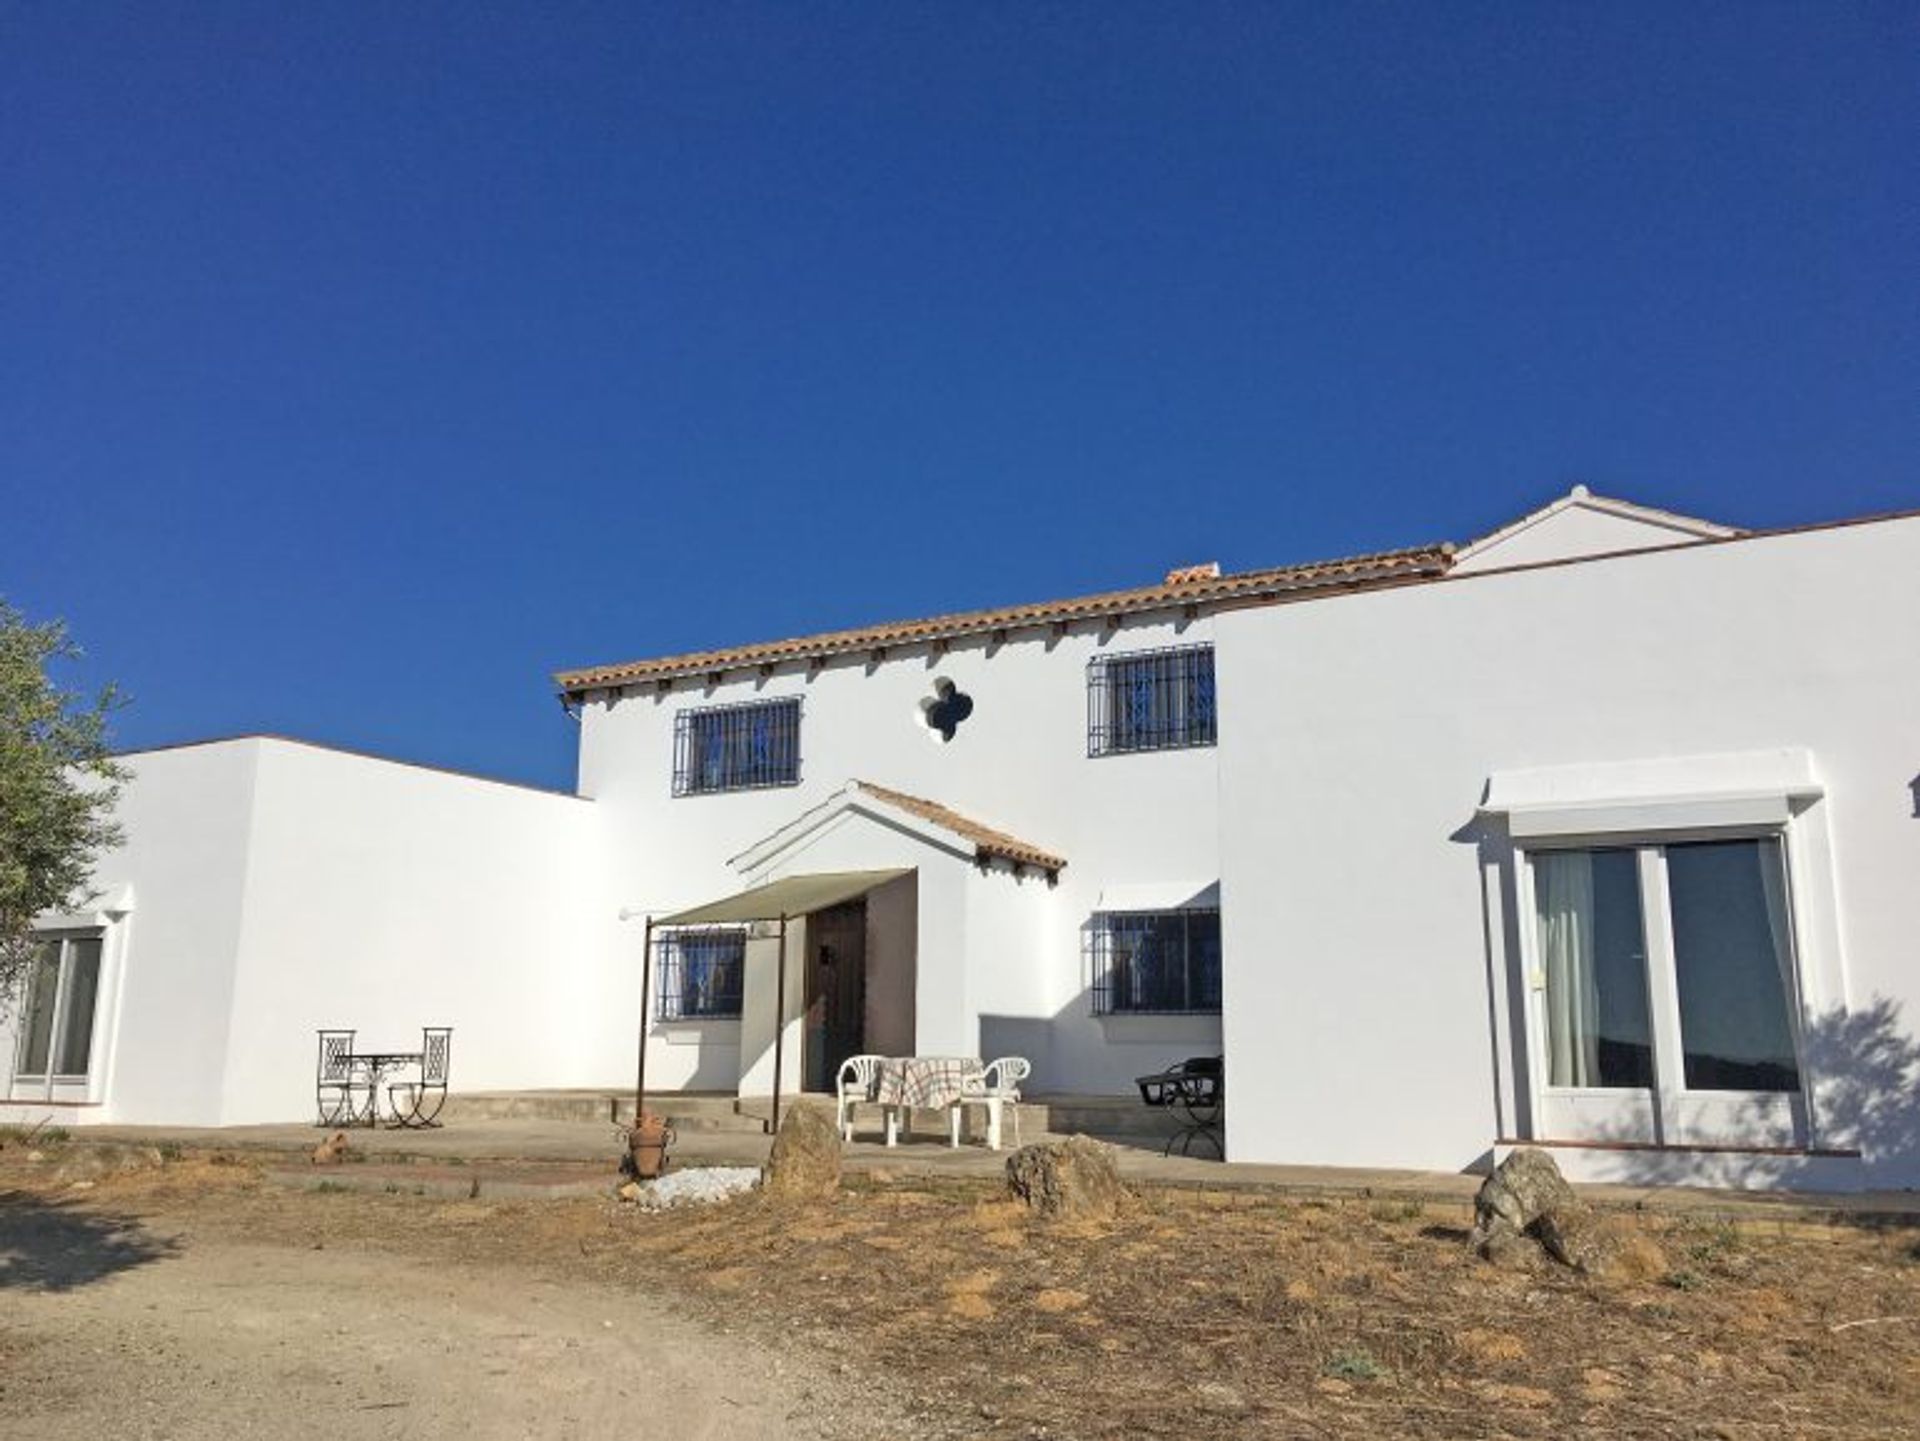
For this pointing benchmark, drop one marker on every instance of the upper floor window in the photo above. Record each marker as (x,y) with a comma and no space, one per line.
(1156,962)
(736,747)
(701,974)
(1150,700)
(56,1030)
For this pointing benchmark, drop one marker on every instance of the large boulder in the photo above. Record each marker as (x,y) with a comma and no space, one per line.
(1526,1206)
(1522,1189)
(805,1161)
(1074,1178)
(1596,1244)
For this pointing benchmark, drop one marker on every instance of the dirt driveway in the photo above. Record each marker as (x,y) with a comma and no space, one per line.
(176,1324)
(203,1300)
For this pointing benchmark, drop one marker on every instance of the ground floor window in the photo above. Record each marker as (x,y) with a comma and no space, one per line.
(1156,962)
(56,1023)
(1671,961)
(701,974)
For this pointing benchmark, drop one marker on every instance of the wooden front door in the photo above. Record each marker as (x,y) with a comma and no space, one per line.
(836,991)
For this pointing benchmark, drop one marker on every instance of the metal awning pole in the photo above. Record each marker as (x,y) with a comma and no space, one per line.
(646,991)
(779,1022)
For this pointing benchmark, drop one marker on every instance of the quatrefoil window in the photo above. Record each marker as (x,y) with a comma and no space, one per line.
(948,707)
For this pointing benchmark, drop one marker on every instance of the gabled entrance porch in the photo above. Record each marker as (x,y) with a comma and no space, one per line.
(815,939)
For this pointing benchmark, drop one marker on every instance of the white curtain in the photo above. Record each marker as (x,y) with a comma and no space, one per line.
(1563,897)
(1773,881)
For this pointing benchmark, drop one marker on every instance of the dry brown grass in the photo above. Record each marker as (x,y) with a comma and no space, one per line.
(1207,1315)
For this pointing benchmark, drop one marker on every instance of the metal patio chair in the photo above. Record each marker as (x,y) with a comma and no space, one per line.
(338,1085)
(1198,1086)
(416,1102)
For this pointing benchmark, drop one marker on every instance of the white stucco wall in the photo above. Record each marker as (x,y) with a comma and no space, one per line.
(279,888)
(385,897)
(1357,737)
(166,993)
(1018,763)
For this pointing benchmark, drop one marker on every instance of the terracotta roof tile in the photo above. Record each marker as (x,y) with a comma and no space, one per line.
(1191,589)
(988,843)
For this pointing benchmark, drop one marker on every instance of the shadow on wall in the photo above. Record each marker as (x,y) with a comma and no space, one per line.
(1075,1052)
(56,1246)
(1864,1067)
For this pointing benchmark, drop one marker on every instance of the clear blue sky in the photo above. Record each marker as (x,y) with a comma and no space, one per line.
(361,364)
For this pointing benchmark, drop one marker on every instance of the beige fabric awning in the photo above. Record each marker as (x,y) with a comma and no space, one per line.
(791,896)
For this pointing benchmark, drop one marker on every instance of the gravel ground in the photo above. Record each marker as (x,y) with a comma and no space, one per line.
(701,1185)
(189,1298)
(135,1308)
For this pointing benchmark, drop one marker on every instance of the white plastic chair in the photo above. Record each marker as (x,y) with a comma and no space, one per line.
(855,1083)
(997,1089)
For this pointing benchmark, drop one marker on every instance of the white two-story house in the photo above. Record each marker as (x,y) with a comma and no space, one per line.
(1600,832)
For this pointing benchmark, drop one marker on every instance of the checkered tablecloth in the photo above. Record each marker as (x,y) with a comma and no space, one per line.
(926,1082)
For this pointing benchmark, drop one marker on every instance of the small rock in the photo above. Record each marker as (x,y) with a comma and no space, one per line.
(36,1155)
(81,1186)
(1219,1396)
(1076,1177)
(805,1161)
(629,1191)
(695,1186)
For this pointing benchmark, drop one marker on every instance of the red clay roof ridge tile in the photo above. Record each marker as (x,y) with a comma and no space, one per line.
(1191,587)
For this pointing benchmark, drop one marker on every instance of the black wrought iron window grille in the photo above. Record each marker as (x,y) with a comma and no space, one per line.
(699,974)
(1163,963)
(1151,700)
(736,747)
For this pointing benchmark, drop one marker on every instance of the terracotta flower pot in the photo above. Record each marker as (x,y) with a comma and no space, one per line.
(647,1143)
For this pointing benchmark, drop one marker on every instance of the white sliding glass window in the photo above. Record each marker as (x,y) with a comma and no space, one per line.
(1664,970)
(1733,965)
(1595,958)
(56,1033)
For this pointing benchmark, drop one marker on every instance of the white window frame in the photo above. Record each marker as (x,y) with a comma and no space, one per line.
(56,1084)
(1670,1113)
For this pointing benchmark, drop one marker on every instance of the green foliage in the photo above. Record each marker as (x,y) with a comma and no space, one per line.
(57,786)
(1355,1363)
(1713,1244)
(37,1135)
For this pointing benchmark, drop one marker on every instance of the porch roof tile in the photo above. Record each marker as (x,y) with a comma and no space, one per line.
(988,843)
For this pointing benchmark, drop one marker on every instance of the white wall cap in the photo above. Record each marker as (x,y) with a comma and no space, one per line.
(1737,788)
(101,913)
(1787,772)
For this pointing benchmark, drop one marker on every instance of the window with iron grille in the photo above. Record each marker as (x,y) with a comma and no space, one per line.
(1156,962)
(699,973)
(1150,700)
(736,747)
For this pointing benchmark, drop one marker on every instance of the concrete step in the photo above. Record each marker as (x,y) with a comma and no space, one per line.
(686,1112)
(1060,1115)
(1122,1116)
